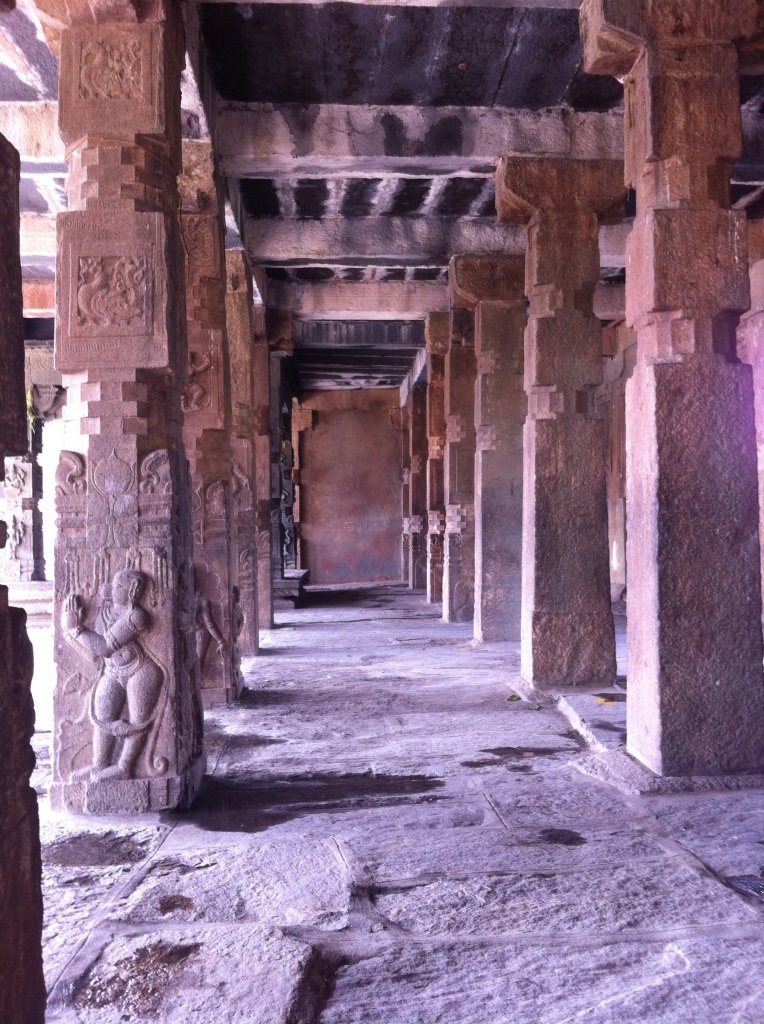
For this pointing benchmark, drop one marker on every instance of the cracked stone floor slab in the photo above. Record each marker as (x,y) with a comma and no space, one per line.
(385,837)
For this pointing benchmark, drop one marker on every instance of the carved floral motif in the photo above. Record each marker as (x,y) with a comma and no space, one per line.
(111,70)
(111,290)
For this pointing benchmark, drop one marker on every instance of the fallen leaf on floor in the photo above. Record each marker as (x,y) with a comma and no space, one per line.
(513,697)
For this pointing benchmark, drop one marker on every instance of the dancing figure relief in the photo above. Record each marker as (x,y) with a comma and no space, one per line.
(129,697)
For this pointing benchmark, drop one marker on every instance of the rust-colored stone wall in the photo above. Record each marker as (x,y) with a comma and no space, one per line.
(350,487)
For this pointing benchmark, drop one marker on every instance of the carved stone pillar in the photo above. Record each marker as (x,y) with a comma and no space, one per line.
(17,508)
(438,335)
(261,382)
(240,332)
(567,633)
(22,986)
(459,470)
(493,288)
(696,687)
(417,410)
(217,483)
(128,730)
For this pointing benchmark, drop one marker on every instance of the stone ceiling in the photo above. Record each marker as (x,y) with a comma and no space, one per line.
(358,142)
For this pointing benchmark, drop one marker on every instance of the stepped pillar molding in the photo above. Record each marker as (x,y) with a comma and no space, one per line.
(417,487)
(221,488)
(244,492)
(493,288)
(567,630)
(22,985)
(261,385)
(127,712)
(459,470)
(696,687)
(437,339)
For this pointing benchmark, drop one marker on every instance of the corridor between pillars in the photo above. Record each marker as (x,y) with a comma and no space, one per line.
(696,692)
(127,737)
(459,470)
(493,288)
(567,632)
(437,335)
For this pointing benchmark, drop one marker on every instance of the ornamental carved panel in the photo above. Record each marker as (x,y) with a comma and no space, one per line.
(111,290)
(111,69)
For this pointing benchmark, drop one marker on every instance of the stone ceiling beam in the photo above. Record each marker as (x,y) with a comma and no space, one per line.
(561,5)
(400,240)
(373,300)
(262,140)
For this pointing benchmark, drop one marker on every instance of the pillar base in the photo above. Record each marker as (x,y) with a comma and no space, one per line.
(129,796)
(570,650)
(215,695)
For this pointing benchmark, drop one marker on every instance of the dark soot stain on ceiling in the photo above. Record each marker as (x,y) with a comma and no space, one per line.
(423,56)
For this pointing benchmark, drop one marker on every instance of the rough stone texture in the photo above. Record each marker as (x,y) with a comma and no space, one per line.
(22,987)
(417,487)
(240,333)
(349,474)
(386,838)
(438,336)
(261,385)
(620,352)
(127,707)
(567,625)
(19,507)
(493,289)
(13,426)
(222,507)
(696,685)
(459,470)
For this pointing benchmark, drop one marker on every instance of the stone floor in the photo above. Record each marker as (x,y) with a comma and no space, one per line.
(388,835)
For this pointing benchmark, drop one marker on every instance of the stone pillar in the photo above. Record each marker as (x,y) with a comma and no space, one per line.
(124,585)
(459,470)
(405,478)
(22,986)
(493,288)
(417,410)
(696,686)
(240,334)
(567,632)
(261,380)
(437,335)
(19,506)
(215,482)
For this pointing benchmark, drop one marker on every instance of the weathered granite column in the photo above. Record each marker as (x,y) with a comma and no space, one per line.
(437,338)
(216,483)
(696,686)
(493,288)
(567,633)
(127,716)
(240,334)
(261,380)
(405,478)
(417,410)
(22,986)
(18,507)
(459,470)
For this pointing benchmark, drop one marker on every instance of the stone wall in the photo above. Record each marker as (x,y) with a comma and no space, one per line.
(350,487)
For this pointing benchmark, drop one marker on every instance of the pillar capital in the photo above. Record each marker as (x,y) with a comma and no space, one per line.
(614,32)
(564,187)
(437,333)
(489,278)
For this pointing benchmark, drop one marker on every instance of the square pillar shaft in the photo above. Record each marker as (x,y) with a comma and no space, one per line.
(493,288)
(437,334)
(22,985)
(128,737)
(696,685)
(459,470)
(567,630)
(417,409)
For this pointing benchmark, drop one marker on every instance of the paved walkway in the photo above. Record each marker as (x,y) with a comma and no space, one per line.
(388,837)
